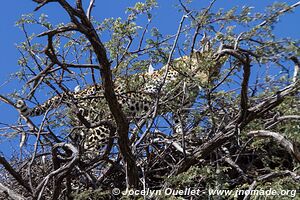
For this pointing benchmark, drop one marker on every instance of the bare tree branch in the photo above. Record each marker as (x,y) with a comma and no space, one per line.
(89,10)
(275,120)
(296,68)
(280,139)
(10,193)
(63,169)
(86,27)
(280,13)
(230,130)
(15,174)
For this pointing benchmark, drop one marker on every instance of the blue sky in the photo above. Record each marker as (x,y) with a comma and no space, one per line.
(166,15)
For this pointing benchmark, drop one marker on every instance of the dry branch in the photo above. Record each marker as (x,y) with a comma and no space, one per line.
(9,192)
(15,174)
(85,27)
(63,169)
(233,127)
(280,139)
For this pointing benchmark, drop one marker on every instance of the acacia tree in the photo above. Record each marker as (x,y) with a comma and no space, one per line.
(215,146)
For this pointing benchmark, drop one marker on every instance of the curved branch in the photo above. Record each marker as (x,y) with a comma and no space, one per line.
(89,10)
(280,139)
(66,167)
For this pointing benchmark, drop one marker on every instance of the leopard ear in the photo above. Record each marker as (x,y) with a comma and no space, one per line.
(150,69)
(77,89)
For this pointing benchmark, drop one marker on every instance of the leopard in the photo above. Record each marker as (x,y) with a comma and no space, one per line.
(89,102)
(176,85)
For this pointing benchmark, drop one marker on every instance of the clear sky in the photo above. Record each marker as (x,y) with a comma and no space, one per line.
(166,16)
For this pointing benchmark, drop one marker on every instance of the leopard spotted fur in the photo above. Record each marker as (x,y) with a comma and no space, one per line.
(136,95)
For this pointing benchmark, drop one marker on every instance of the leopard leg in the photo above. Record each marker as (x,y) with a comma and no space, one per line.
(97,139)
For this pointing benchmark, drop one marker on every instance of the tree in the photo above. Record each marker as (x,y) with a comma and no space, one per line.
(205,112)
